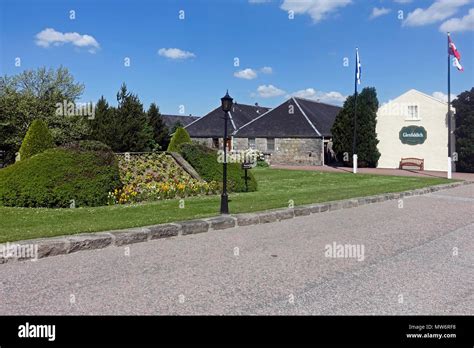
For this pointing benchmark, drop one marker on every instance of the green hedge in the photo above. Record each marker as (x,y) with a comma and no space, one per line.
(204,160)
(55,177)
(88,145)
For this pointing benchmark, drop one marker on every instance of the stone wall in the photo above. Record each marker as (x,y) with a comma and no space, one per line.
(204,141)
(300,151)
(240,144)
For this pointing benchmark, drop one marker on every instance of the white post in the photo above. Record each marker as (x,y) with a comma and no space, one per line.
(450,172)
(354,163)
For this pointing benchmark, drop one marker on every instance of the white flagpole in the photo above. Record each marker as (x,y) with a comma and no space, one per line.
(449,111)
(354,140)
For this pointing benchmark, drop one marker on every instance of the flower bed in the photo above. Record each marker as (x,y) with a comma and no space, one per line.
(155,176)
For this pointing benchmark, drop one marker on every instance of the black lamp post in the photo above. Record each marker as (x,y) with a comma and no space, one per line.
(226,103)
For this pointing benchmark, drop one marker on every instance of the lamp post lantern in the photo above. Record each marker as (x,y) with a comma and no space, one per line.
(226,104)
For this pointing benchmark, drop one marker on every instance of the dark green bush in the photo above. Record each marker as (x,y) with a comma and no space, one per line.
(88,145)
(57,176)
(37,139)
(180,136)
(204,160)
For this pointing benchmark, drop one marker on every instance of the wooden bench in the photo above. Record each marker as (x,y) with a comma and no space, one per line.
(412,162)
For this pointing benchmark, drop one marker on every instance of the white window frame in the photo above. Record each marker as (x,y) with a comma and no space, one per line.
(409,116)
(254,145)
(273,144)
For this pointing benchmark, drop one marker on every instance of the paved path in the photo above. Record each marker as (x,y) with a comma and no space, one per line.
(418,259)
(381,171)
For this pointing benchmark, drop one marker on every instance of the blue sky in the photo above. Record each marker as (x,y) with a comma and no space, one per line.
(190,62)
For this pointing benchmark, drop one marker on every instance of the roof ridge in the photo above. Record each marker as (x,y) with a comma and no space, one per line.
(200,118)
(306,117)
(255,119)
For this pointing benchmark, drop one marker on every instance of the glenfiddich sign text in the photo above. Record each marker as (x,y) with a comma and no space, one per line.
(412,135)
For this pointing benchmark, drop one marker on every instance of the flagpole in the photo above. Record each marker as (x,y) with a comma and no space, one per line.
(354,141)
(449,110)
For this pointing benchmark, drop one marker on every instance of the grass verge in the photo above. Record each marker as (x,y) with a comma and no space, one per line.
(276,187)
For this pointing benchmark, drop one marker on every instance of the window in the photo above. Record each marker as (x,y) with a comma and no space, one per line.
(215,142)
(270,144)
(413,112)
(252,143)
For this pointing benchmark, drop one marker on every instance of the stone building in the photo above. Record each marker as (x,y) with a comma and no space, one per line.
(295,132)
(414,125)
(209,129)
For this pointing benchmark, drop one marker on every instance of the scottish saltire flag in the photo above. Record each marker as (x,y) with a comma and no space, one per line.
(358,67)
(454,52)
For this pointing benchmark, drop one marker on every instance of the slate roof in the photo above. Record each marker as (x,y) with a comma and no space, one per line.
(212,124)
(295,118)
(171,120)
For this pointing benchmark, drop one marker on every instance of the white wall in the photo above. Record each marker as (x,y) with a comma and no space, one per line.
(392,117)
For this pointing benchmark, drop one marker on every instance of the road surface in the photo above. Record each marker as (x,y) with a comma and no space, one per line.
(418,258)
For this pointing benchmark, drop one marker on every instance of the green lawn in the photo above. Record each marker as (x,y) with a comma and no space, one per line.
(275,188)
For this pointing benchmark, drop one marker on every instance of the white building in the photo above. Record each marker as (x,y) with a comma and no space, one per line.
(414,125)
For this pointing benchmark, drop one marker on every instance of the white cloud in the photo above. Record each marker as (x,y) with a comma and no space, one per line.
(259,1)
(269,91)
(266,70)
(49,37)
(175,53)
(443,97)
(438,11)
(317,9)
(403,1)
(323,97)
(247,74)
(377,12)
(465,23)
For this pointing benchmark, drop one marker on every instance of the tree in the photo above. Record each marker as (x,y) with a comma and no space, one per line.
(179,137)
(38,138)
(160,131)
(34,94)
(343,129)
(124,128)
(134,134)
(103,125)
(464,131)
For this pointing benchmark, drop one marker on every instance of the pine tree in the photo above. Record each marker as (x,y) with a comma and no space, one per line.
(464,105)
(125,128)
(343,129)
(102,126)
(132,134)
(160,131)
(179,137)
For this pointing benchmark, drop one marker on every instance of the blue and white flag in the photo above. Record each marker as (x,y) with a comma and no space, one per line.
(358,67)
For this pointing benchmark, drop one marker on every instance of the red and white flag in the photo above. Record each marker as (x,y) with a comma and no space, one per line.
(454,51)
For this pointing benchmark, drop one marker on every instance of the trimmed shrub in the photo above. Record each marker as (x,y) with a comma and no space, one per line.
(88,145)
(204,160)
(38,138)
(179,137)
(55,177)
